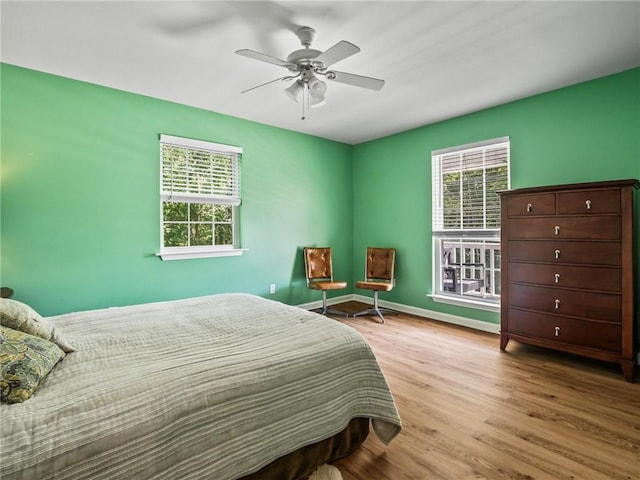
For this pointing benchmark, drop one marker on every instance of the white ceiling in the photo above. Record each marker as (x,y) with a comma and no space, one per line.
(439,59)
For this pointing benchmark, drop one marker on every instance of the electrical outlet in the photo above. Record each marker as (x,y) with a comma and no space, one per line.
(272,288)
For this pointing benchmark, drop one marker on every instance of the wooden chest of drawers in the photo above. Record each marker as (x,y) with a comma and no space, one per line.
(568,269)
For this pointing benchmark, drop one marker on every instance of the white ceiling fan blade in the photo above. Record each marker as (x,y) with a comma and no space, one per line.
(355,80)
(263,57)
(267,83)
(339,51)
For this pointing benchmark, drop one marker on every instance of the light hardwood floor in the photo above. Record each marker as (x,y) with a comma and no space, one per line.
(470,411)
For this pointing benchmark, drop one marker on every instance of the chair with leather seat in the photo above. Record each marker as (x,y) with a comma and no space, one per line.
(318,268)
(379,277)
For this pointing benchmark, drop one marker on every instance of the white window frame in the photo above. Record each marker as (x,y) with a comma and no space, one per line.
(177,187)
(478,242)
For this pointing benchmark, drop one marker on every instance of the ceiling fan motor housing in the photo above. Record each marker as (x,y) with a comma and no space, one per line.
(303,56)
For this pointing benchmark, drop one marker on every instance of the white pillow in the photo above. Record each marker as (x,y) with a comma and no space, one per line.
(22,317)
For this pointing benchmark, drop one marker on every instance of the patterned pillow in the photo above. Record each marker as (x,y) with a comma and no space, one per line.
(17,315)
(25,360)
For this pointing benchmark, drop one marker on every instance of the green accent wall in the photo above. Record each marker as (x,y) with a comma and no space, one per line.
(79,203)
(582,133)
(80,199)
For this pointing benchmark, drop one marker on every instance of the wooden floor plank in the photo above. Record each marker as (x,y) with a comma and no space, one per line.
(470,411)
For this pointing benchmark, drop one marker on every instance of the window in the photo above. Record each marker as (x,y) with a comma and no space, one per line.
(199,198)
(466,222)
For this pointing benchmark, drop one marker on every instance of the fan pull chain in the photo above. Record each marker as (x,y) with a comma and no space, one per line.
(304,91)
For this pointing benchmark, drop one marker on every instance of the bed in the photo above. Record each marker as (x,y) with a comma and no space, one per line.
(229,386)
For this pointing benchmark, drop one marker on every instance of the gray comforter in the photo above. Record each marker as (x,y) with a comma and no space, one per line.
(206,388)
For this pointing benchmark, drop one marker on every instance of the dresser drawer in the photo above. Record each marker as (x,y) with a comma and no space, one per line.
(589,201)
(605,227)
(577,303)
(568,276)
(536,204)
(555,251)
(601,336)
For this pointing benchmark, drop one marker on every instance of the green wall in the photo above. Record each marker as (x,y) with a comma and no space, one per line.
(586,132)
(80,199)
(80,174)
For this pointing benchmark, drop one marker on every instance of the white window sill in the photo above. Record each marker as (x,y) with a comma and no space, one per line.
(188,254)
(460,301)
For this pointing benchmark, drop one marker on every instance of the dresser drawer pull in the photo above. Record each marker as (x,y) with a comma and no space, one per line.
(588,204)
(529,207)
(557,275)
(556,229)
(557,252)
(557,331)
(557,303)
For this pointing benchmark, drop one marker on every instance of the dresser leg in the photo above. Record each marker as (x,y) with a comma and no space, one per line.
(628,369)
(504,339)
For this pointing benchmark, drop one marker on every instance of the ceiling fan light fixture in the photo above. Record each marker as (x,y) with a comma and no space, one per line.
(294,91)
(316,101)
(317,88)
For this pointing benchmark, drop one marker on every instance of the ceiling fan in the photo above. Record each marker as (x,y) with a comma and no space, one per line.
(307,64)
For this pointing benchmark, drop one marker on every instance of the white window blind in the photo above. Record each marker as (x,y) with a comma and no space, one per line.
(465,185)
(199,172)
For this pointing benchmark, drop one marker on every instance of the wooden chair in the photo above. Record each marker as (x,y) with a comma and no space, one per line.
(319,272)
(379,277)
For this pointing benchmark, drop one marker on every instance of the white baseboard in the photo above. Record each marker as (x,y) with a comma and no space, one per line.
(420,312)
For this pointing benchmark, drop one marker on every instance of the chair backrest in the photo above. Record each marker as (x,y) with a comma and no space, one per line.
(317,263)
(380,264)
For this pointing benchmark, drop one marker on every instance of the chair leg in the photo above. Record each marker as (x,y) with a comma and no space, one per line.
(326,310)
(376,309)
